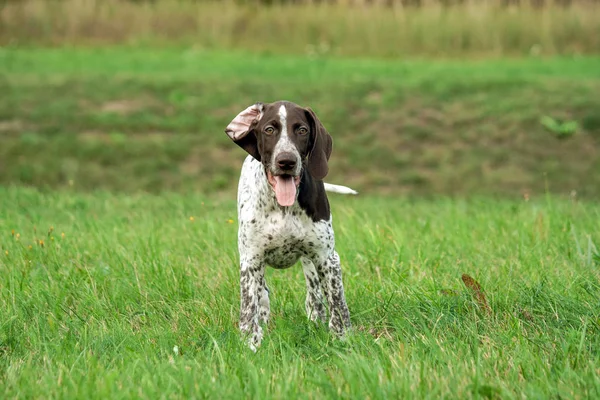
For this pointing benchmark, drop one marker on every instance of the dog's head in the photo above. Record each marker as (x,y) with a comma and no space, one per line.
(287,139)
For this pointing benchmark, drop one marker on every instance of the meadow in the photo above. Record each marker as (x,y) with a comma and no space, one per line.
(97,290)
(374,28)
(133,118)
(470,257)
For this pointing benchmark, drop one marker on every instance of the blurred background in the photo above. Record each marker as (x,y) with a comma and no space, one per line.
(422,97)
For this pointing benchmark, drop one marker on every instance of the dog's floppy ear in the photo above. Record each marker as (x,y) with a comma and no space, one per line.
(241,129)
(321,147)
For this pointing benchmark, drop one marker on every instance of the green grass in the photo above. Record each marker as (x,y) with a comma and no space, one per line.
(96,312)
(131,119)
(123,246)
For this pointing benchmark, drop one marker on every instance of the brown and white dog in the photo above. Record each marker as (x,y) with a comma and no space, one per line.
(284,214)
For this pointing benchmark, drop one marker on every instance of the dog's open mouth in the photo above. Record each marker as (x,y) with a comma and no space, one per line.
(285,187)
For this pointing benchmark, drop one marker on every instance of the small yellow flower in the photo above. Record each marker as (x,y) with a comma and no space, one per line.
(192,219)
(230,221)
(41,243)
(62,235)
(18,236)
(12,232)
(30,247)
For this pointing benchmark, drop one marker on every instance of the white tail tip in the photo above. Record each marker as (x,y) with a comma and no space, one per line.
(339,189)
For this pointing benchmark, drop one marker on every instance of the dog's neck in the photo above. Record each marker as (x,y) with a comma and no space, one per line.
(312,197)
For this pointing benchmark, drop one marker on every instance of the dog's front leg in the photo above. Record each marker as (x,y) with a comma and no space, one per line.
(315,308)
(251,287)
(330,274)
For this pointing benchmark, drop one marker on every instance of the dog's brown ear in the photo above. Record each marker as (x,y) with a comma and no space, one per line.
(321,147)
(241,129)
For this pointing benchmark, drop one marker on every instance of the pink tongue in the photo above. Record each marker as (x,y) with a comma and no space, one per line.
(285,190)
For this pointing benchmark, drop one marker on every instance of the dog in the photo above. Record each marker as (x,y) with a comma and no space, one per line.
(284,213)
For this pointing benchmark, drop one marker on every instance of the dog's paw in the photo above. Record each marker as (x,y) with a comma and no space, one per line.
(315,311)
(254,339)
(339,326)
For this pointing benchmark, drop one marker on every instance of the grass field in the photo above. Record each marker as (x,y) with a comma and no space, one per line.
(97,289)
(131,119)
(472,132)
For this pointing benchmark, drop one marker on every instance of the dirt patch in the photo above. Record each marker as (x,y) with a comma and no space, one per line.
(203,159)
(192,164)
(104,137)
(11,126)
(123,107)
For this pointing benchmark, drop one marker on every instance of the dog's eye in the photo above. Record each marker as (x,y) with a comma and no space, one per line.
(269,130)
(302,131)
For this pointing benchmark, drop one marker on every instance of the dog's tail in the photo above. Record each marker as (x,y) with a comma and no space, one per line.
(339,189)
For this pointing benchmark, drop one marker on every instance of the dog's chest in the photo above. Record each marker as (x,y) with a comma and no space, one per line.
(277,235)
(287,235)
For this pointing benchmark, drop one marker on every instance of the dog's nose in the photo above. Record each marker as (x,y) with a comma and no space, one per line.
(286,161)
